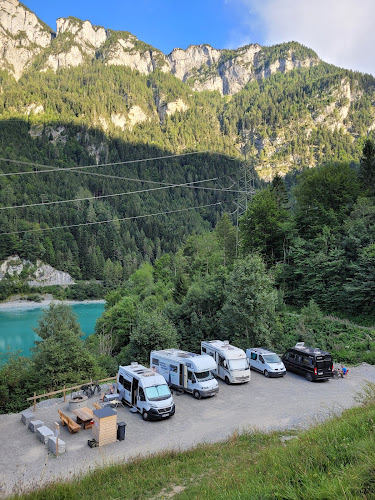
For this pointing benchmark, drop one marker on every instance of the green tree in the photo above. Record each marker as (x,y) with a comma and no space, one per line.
(367,167)
(325,196)
(226,235)
(152,331)
(249,312)
(262,228)
(61,357)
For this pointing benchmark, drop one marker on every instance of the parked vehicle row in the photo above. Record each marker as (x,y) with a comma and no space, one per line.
(147,390)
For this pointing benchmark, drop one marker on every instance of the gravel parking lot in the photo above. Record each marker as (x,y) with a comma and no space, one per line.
(263,404)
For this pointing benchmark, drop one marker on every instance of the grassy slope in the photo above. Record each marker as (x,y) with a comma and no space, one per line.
(333,460)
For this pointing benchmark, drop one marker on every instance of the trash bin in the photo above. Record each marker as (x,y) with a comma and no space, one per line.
(121,431)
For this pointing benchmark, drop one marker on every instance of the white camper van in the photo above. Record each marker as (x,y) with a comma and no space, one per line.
(232,363)
(266,362)
(187,371)
(146,391)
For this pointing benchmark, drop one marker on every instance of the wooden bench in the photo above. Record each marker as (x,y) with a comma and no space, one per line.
(97,406)
(65,420)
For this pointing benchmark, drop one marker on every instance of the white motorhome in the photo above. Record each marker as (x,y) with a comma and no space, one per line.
(145,391)
(232,363)
(187,371)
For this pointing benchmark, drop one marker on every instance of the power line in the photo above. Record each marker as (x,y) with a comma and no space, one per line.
(68,169)
(112,195)
(113,220)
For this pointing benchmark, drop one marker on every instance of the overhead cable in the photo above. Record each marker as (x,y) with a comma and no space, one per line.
(68,169)
(112,220)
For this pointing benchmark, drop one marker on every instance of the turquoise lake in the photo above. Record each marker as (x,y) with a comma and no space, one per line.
(16,325)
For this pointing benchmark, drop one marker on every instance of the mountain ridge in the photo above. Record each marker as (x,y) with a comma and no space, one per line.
(201,66)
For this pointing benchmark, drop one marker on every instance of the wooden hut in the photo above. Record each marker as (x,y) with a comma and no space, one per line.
(104,430)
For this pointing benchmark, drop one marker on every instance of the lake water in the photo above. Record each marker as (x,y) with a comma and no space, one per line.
(16,325)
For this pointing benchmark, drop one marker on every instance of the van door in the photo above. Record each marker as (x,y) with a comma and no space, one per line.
(141,403)
(135,392)
(221,368)
(190,381)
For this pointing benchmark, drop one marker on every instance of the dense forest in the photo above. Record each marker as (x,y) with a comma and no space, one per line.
(65,119)
(161,235)
(301,260)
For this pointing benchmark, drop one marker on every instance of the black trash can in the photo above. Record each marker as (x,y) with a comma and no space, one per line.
(121,431)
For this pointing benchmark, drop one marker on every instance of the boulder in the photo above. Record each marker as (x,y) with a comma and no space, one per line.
(27,416)
(52,445)
(43,433)
(35,424)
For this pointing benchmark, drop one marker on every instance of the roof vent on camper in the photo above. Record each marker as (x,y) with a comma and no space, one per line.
(226,342)
(134,363)
(300,345)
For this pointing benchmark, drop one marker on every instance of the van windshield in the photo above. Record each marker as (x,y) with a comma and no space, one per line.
(203,376)
(158,392)
(272,358)
(238,364)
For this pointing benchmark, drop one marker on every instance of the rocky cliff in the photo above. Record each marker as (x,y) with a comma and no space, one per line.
(25,39)
(22,37)
(38,274)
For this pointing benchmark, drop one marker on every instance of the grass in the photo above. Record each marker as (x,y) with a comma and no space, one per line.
(332,460)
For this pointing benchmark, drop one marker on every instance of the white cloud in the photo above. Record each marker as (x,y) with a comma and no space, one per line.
(340,31)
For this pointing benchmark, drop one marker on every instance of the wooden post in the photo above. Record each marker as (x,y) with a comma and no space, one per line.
(34,401)
(57,438)
(64,393)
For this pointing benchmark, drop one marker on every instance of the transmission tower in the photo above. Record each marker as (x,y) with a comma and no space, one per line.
(246,184)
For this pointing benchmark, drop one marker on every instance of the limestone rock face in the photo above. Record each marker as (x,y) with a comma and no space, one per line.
(38,274)
(169,108)
(69,59)
(185,63)
(205,68)
(124,49)
(22,37)
(85,33)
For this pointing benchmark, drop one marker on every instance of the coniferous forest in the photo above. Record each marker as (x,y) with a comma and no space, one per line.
(173,264)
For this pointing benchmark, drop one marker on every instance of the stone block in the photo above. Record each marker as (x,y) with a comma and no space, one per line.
(27,416)
(43,433)
(34,424)
(52,445)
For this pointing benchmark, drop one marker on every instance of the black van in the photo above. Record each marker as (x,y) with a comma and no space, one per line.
(314,364)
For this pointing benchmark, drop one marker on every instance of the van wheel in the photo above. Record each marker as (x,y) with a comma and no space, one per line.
(197,394)
(227,380)
(309,377)
(145,416)
(266,374)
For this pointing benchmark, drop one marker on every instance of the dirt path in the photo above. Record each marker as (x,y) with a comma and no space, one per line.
(263,404)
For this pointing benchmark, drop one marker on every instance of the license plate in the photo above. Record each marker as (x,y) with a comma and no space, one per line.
(165,415)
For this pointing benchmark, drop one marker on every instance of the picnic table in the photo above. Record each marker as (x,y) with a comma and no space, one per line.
(84,416)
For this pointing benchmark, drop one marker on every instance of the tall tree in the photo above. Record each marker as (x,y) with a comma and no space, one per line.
(226,235)
(367,167)
(249,312)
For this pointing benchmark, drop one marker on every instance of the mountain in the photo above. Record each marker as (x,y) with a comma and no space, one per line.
(27,40)
(86,95)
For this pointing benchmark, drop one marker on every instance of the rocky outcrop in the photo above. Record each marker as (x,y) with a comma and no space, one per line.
(165,108)
(124,49)
(38,274)
(22,37)
(205,68)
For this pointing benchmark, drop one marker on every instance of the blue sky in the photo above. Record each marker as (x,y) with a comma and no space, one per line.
(340,31)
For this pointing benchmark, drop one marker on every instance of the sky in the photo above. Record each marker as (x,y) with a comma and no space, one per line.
(340,31)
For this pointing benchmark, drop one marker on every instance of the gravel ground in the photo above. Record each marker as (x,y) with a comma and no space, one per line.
(263,404)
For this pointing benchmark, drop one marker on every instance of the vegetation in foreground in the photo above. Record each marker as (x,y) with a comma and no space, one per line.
(333,460)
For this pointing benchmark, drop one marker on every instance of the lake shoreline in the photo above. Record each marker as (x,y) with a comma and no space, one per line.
(16,303)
